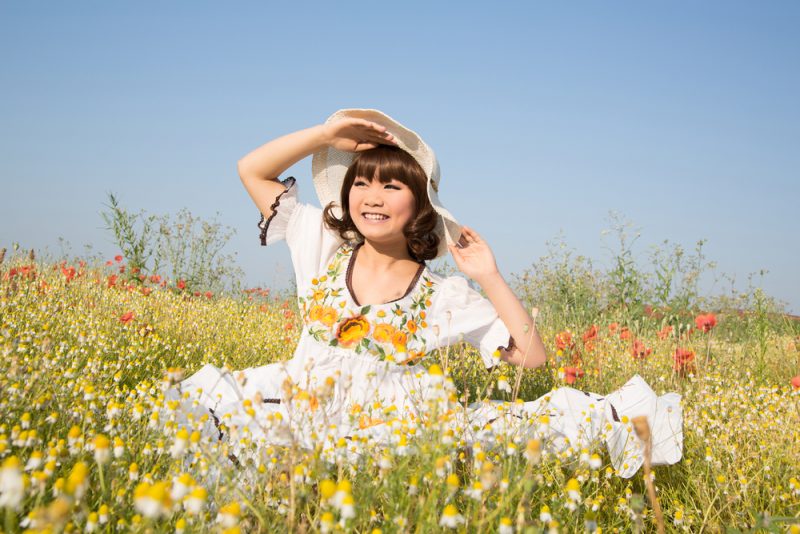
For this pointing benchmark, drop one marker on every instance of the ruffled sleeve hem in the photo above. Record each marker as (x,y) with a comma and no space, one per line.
(492,340)
(274,227)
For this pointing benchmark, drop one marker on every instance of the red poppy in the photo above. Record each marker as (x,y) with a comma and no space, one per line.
(69,273)
(639,351)
(705,322)
(796,382)
(572,373)
(126,317)
(683,361)
(118,258)
(112,280)
(109,263)
(613,327)
(590,334)
(665,332)
(624,333)
(209,294)
(181,284)
(146,291)
(564,340)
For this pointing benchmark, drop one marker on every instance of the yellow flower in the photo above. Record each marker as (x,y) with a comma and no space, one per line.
(329,316)
(352,330)
(327,488)
(452,482)
(315,313)
(383,332)
(399,340)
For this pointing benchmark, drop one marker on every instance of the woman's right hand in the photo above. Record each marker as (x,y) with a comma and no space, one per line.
(356,135)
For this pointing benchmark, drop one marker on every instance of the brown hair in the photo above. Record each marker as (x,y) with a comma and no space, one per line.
(388,163)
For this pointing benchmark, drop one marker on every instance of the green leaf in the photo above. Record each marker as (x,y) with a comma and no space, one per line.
(365,309)
(334,342)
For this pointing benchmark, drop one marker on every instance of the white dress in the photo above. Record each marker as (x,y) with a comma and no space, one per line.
(363,370)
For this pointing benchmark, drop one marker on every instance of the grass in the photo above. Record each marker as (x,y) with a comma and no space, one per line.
(89,443)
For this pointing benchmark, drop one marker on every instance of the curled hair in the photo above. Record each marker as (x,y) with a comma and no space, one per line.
(389,163)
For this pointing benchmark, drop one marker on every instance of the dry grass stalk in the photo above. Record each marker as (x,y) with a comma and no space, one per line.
(642,429)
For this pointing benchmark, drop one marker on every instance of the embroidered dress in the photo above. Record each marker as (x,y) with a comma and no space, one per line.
(362,370)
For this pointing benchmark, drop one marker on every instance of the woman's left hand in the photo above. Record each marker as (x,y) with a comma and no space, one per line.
(473,255)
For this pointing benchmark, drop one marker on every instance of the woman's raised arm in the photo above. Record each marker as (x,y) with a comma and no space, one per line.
(259,170)
(475,259)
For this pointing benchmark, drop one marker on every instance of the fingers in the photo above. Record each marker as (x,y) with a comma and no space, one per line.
(375,132)
(470,235)
(361,147)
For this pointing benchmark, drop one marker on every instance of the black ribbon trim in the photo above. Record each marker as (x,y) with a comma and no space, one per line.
(264,222)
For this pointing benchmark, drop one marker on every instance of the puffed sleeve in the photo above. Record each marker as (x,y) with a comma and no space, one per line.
(311,243)
(464,314)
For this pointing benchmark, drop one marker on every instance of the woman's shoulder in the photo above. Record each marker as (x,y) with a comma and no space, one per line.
(452,290)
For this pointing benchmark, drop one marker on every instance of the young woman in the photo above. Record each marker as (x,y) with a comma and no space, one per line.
(373,312)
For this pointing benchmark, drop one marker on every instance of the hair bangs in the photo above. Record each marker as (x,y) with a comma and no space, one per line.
(386,165)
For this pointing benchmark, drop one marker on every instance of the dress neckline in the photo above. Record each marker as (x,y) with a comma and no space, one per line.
(349,279)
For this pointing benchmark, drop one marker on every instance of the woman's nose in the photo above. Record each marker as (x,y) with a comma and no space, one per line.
(375,196)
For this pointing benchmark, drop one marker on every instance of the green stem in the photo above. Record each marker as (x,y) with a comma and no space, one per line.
(10,519)
(102,480)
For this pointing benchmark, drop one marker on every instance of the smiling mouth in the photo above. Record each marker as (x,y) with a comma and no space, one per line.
(374,216)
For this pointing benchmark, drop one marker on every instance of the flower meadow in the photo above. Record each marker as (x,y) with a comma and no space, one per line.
(90,443)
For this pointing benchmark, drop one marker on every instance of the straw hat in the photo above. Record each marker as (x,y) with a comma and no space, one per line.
(329,165)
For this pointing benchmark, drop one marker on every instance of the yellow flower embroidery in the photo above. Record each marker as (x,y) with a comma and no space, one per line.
(328,317)
(352,331)
(383,332)
(399,340)
(315,313)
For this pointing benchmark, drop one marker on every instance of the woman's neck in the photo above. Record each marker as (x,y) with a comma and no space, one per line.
(380,257)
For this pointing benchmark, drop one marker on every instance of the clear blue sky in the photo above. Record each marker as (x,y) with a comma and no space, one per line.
(682,116)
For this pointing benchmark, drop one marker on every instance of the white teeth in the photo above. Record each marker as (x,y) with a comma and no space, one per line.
(375,216)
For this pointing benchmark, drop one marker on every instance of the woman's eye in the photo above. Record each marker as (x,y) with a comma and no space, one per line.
(391,186)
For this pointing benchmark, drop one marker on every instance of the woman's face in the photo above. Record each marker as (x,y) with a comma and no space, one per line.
(381,211)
